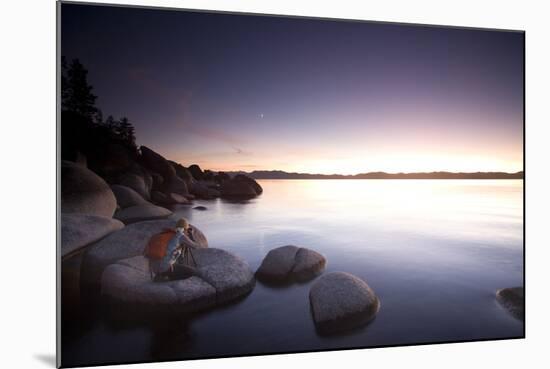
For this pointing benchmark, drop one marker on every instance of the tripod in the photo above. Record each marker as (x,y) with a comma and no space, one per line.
(187,255)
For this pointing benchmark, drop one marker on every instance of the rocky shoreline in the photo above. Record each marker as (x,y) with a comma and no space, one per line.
(107,221)
(109,212)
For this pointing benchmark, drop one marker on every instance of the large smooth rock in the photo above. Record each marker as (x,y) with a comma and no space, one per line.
(278,263)
(80,230)
(252,182)
(200,190)
(138,213)
(175,185)
(160,198)
(307,264)
(341,301)
(290,263)
(221,177)
(110,159)
(182,172)
(128,282)
(178,199)
(144,173)
(123,244)
(513,300)
(219,277)
(157,163)
(135,182)
(83,191)
(157,182)
(196,172)
(126,197)
(229,274)
(240,186)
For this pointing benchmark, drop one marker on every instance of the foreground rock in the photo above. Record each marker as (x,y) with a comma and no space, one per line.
(290,263)
(138,213)
(123,244)
(341,301)
(513,300)
(126,197)
(83,191)
(219,277)
(79,230)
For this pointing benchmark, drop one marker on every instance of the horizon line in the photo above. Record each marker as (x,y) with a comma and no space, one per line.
(372,172)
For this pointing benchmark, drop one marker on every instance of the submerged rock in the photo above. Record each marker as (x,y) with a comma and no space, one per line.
(290,263)
(513,300)
(141,212)
(341,301)
(200,207)
(123,244)
(219,277)
(83,191)
(126,197)
(80,230)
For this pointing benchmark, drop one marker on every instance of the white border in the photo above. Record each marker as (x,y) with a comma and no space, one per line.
(28,180)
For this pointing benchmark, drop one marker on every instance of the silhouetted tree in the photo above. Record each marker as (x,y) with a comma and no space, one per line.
(83,130)
(77,96)
(126,132)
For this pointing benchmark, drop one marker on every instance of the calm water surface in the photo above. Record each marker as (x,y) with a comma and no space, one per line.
(434,251)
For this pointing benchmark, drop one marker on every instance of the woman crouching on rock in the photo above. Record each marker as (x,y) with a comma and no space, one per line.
(170,253)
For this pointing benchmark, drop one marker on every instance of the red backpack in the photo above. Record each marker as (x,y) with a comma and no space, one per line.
(158,243)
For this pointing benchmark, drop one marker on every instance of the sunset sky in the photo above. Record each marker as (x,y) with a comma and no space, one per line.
(234,92)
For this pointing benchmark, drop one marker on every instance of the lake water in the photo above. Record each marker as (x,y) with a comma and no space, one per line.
(434,251)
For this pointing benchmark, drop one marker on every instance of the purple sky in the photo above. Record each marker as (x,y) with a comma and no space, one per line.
(234,92)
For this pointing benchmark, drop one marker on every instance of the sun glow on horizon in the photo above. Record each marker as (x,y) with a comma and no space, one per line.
(352,164)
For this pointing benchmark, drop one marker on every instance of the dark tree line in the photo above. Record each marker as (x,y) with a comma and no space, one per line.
(83,129)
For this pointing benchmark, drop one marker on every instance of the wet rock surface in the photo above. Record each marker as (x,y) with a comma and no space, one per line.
(513,300)
(124,244)
(341,301)
(83,191)
(80,230)
(290,263)
(218,277)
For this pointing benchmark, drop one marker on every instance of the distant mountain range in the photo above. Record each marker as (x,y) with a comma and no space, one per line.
(279,174)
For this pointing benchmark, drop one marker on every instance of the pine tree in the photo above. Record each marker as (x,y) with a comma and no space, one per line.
(127,132)
(77,96)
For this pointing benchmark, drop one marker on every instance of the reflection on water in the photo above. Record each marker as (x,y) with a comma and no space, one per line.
(435,252)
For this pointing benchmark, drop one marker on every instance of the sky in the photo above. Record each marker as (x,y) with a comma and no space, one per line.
(235,92)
